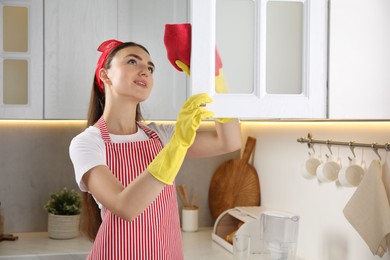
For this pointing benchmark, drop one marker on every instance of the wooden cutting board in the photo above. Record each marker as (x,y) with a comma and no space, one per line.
(235,183)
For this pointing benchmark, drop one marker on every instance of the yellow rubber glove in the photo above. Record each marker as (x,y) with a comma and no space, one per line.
(220,85)
(223,120)
(183,67)
(167,163)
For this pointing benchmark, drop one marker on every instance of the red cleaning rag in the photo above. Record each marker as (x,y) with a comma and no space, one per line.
(177,40)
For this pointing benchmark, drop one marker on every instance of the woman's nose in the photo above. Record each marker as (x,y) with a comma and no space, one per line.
(144,70)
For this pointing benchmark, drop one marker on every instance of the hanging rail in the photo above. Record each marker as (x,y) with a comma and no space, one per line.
(309,140)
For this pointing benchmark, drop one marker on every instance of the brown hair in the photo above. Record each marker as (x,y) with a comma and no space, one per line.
(90,218)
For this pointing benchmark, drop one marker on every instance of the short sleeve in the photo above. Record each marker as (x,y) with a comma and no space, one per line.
(86,151)
(164,131)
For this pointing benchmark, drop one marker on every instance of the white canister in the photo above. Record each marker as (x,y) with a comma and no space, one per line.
(190,218)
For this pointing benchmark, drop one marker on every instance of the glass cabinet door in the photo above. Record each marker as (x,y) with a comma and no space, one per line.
(273,52)
(21,59)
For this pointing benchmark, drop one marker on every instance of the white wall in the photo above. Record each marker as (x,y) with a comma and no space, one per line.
(324,233)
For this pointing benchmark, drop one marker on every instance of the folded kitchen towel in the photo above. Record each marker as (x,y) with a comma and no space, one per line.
(386,182)
(386,178)
(368,210)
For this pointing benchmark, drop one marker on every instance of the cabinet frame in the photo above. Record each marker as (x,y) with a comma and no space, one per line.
(311,103)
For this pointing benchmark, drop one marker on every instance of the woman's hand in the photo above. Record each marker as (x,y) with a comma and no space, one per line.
(167,163)
(190,117)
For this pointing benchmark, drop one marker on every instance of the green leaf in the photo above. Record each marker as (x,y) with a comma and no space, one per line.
(65,202)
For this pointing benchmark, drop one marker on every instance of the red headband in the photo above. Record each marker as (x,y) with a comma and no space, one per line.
(106,48)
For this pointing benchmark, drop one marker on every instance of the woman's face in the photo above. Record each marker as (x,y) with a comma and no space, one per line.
(131,74)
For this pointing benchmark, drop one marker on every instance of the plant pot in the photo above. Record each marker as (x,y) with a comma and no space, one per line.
(63,227)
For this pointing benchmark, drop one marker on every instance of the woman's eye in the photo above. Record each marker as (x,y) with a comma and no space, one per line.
(132,61)
(151,70)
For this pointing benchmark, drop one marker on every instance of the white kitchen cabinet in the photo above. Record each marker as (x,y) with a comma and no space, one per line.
(359,59)
(258,70)
(21,59)
(73,31)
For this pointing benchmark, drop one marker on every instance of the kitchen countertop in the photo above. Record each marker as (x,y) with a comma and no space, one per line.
(37,246)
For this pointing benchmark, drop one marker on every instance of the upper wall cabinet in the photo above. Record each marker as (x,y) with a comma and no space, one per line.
(21,59)
(359,59)
(73,31)
(274,56)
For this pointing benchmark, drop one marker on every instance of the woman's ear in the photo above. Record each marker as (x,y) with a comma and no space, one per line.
(104,77)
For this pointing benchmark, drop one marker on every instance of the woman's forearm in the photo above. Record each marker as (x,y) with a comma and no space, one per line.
(230,134)
(126,202)
(224,138)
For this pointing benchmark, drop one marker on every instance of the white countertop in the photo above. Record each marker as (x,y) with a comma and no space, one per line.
(37,246)
(198,245)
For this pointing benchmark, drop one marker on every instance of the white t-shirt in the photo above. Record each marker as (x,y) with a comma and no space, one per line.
(87,149)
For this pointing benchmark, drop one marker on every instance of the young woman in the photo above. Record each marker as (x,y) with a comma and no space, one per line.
(126,169)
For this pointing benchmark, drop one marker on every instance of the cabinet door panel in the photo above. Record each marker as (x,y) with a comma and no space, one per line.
(73,31)
(146,25)
(359,60)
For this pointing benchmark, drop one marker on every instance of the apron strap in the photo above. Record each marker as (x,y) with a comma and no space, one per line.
(148,131)
(106,136)
(103,130)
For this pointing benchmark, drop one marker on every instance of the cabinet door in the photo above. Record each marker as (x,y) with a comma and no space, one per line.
(286,50)
(73,31)
(359,60)
(21,62)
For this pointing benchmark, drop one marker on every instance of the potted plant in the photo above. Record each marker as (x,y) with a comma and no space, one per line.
(63,210)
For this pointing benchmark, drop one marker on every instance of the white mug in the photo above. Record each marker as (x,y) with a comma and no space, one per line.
(352,174)
(310,167)
(328,170)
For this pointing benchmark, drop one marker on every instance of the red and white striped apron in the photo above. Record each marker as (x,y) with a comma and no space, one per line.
(155,233)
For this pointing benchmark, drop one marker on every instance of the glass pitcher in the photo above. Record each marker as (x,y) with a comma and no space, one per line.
(279,232)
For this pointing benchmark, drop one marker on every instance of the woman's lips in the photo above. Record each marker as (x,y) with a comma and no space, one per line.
(141,83)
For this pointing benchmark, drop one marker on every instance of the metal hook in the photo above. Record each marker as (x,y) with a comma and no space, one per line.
(309,143)
(352,150)
(329,145)
(312,148)
(387,146)
(373,146)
